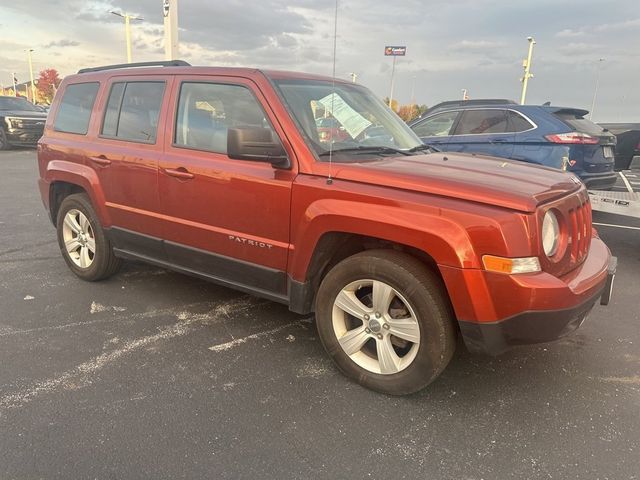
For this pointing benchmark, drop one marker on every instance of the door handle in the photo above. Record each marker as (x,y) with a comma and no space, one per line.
(181,173)
(498,140)
(101,160)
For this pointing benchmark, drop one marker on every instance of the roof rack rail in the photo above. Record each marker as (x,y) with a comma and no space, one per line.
(475,102)
(169,63)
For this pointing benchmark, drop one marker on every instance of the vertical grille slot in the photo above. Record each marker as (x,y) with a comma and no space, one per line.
(573,220)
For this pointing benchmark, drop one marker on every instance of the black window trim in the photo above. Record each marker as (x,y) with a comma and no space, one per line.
(209,82)
(93,104)
(104,113)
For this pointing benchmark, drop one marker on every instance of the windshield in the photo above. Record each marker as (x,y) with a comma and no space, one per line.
(15,103)
(347,119)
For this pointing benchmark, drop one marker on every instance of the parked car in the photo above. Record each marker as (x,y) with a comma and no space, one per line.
(21,122)
(395,248)
(627,145)
(557,137)
(330,130)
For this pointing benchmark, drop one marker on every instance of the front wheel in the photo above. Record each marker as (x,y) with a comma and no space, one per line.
(386,321)
(4,144)
(82,241)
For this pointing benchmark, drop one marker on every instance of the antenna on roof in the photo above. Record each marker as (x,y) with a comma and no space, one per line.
(333,88)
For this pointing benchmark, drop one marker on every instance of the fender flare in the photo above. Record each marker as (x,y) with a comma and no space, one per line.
(83,176)
(439,237)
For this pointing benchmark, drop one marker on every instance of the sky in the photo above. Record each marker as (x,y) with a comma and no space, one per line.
(477,45)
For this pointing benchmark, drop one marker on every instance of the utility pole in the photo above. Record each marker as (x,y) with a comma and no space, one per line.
(127,29)
(170,13)
(595,91)
(527,70)
(393,71)
(33,87)
(14,83)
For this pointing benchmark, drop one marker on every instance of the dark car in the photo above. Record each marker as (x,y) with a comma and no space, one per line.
(21,122)
(628,144)
(558,137)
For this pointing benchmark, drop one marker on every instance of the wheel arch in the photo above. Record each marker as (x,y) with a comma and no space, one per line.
(66,178)
(439,241)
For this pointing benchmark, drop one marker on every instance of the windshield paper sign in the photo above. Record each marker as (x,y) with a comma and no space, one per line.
(395,51)
(352,121)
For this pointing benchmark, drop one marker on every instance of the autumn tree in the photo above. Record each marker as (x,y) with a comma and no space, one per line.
(47,84)
(411,112)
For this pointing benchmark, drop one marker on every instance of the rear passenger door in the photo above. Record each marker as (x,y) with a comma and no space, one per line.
(483,131)
(225,218)
(436,129)
(126,155)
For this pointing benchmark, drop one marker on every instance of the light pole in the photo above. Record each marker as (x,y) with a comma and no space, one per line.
(127,19)
(33,87)
(595,91)
(527,70)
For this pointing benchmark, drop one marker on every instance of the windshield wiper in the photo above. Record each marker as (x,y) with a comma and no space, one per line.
(420,148)
(366,149)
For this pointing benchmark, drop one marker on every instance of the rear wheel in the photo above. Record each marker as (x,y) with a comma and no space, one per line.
(385,320)
(82,241)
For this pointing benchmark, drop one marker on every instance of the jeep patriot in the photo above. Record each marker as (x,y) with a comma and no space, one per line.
(223,173)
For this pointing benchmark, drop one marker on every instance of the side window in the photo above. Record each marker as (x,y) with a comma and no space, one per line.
(207,110)
(436,126)
(132,111)
(75,108)
(517,123)
(474,122)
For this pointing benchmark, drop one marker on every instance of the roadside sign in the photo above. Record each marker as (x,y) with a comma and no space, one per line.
(395,51)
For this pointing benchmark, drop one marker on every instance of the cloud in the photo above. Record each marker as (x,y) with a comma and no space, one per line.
(580,48)
(62,43)
(568,33)
(475,45)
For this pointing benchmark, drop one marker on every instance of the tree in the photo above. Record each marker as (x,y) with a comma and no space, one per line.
(47,84)
(411,112)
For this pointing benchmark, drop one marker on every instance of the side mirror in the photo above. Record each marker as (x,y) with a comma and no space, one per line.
(256,143)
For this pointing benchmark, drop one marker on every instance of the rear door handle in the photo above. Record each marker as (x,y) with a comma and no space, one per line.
(498,140)
(181,173)
(101,160)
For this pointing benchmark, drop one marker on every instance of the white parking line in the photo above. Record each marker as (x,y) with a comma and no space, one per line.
(626,182)
(616,226)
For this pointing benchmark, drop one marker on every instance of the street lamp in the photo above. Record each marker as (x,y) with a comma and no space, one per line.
(33,87)
(127,18)
(595,91)
(527,70)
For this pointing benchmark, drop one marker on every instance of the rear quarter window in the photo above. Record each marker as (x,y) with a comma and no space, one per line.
(579,123)
(75,108)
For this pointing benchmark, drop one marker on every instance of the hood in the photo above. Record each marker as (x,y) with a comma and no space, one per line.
(23,114)
(492,181)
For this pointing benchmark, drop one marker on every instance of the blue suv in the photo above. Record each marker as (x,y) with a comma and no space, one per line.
(556,137)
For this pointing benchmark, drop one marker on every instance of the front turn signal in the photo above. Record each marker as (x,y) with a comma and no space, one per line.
(511,265)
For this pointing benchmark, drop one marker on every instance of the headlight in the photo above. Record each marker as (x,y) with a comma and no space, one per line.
(550,233)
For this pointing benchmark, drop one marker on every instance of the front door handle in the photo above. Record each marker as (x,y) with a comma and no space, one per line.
(498,140)
(101,160)
(181,173)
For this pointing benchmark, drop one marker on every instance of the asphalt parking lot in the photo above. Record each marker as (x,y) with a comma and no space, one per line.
(153,374)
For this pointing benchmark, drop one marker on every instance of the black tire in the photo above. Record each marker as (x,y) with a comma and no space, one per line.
(4,144)
(103,263)
(426,296)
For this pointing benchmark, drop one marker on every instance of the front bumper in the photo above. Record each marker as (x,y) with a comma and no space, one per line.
(496,311)
(24,136)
